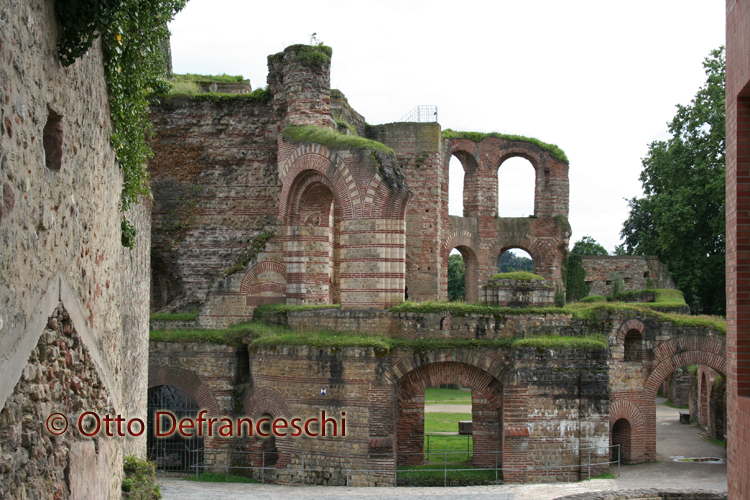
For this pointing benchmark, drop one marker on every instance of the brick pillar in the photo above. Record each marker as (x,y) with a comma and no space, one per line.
(372,269)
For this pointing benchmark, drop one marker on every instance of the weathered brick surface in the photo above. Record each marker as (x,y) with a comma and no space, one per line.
(637,273)
(738,246)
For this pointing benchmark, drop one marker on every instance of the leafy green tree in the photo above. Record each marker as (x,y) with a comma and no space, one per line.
(574,277)
(456,277)
(510,262)
(588,246)
(680,219)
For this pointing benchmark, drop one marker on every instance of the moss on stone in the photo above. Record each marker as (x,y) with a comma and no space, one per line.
(552,149)
(256,246)
(265,310)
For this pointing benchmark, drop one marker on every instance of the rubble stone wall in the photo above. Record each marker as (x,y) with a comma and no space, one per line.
(60,230)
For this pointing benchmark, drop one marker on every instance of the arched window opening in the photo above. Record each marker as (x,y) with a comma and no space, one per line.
(174,452)
(621,440)
(462,275)
(455,187)
(516,185)
(634,346)
(456,276)
(515,259)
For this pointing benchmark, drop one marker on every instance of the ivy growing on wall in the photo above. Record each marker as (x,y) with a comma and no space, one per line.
(132,32)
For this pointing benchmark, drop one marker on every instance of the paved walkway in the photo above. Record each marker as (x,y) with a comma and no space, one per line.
(673,439)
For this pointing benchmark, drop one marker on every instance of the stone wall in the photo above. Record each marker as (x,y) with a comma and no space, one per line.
(351,226)
(60,228)
(738,267)
(637,273)
(527,402)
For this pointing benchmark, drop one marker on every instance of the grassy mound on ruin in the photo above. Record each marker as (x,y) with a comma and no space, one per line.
(300,134)
(552,149)
(517,275)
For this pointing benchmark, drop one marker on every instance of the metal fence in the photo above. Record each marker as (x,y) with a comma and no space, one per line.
(421,114)
(444,468)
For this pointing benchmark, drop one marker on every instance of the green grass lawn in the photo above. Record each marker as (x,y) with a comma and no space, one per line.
(447,396)
(443,422)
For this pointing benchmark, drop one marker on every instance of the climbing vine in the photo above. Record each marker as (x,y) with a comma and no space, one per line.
(132,33)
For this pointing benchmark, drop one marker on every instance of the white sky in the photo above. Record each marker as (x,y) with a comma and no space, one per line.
(598,78)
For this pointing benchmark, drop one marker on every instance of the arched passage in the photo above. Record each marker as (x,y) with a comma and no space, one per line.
(190,396)
(487,397)
(310,240)
(621,440)
(269,403)
(675,353)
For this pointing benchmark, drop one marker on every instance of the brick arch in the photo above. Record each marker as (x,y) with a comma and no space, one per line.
(529,249)
(628,326)
(487,409)
(494,367)
(262,267)
(332,167)
(456,239)
(188,382)
(194,386)
(267,400)
(685,350)
(263,400)
(466,152)
(533,157)
(624,409)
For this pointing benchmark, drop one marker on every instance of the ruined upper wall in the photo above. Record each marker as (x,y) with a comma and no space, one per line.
(61,248)
(637,272)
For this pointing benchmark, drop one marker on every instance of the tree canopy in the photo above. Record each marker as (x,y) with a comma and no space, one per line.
(509,262)
(456,277)
(588,246)
(680,219)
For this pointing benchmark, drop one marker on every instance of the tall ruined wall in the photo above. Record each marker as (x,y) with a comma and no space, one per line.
(419,150)
(637,272)
(738,266)
(215,187)
(480,236)
(74,300)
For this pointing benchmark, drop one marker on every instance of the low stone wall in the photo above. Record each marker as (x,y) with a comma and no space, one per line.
(433,325)
(514,293)
(637,272)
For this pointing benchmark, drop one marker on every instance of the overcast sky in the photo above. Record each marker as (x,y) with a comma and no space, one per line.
(598,78)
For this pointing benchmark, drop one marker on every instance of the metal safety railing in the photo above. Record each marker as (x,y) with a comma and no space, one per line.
(410,468)
(421,114)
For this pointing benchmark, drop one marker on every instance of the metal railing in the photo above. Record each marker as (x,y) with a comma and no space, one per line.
(421,114)
(305,464)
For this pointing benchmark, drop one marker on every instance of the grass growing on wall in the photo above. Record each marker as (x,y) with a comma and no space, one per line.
(257,333)
(265,310)
(331,139)
(192,77)
(479,136)
(173,316)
